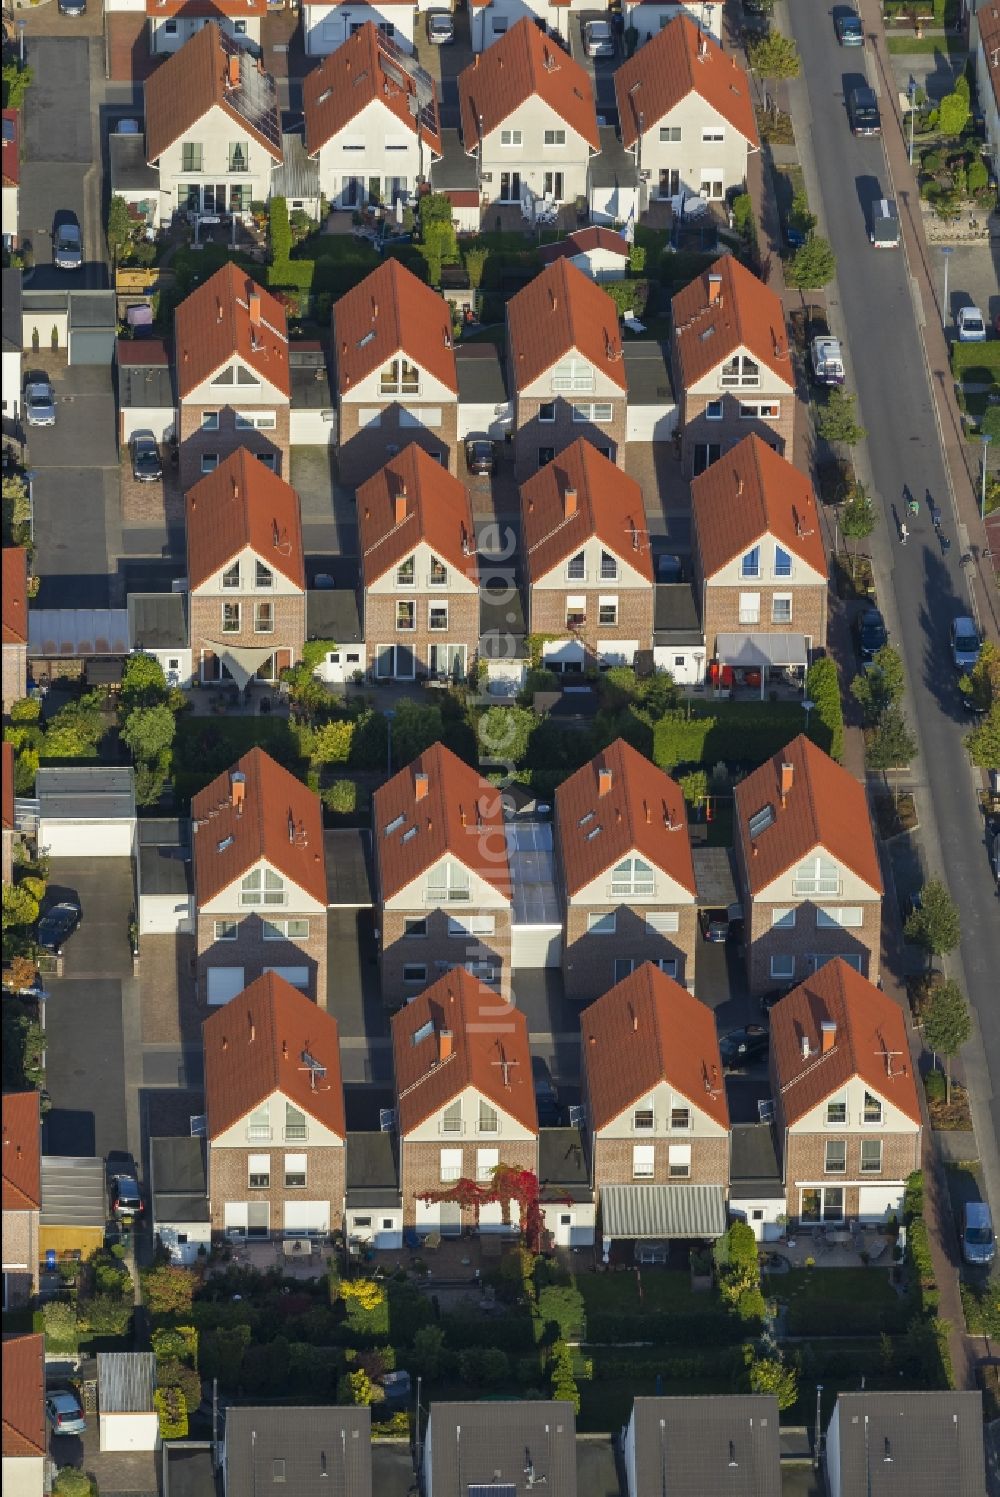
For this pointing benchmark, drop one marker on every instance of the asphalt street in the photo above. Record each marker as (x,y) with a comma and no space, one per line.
(904,453)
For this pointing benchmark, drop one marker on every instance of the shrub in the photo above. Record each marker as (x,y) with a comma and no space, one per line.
(978,177)
(172,1410)
(935,1086)
(180,1341)
(25,710)
(484,1367)
(222,1352)
(72,1482)
(60,1325)
(773,1375)
(171,1373)
(561,1379)
(823,689)
(341,797)
(743,214)
(331,742)
(358,1388)
(628,296)
(280,229)
(504,733)
(168,1290)
(106,1315)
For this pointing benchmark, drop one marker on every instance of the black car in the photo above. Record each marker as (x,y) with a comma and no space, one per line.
(125,1196)
(480,456)
(57,925)
(743,1046)
(849,28)
(870,632)
(146,465)
(862,111)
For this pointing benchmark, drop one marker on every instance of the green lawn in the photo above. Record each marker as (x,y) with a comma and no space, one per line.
(852,1286)
(909,45)
(661,1289)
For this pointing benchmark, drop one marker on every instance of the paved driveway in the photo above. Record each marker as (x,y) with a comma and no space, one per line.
(86,1074)
(329,525)
(76,487)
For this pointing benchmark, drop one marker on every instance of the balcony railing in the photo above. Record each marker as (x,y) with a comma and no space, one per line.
(451,1125)
(259,1132)
(296,1133)
(449,1174)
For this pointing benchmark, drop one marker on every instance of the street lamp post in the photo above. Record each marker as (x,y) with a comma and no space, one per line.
(20,40)
(912,93)
(987,439)
(807,707)
(947,250)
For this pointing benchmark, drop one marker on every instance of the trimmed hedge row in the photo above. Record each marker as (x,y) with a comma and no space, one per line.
(698,1328)
(718,1362)
(734,732)
(820,1319)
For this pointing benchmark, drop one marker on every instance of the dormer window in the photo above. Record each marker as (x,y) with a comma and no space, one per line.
(642,1120)
(264,577)
(406,573)
(750,565)
(262,887)
(400,377)
(231,576)
(451,1118)
(448,884)
(439,573)
(239,156)
(576,568)
(740,372)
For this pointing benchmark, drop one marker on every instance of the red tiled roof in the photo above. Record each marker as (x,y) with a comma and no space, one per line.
(231,9)
(437,510)
(560,312)
(22,1151)
(825,808)
(356,75)
(254,1046)
(869,1025)
(24,1397)
(608,505)
(677,61)
(486,1032)
(11,148)
(280,820)
(195,78)
(585,241)
(636,813)
(7,750)
(649,1029)
(392,312)
(214,323)
(15,595)
(745,314)
(458,814)
(242,503)
(525,64)
(750,493)
(144,353)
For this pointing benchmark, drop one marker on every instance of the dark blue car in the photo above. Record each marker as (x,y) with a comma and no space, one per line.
(850,32)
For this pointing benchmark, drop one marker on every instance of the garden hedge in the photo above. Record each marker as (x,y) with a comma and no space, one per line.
(694,1328)
(816,1318)
(734,732)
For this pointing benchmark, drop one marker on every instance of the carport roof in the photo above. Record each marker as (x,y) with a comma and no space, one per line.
(753,1160)
(73,1189)
(297,176)
(125,1381)
(93,309)
(130,171)
(762,650)
(647,369)
(310,377)
(562,1164)
(501,625)
(165,870)
(177,1166)
(614,166)
(77,632)
(675,614)
(663,1211)
(714,877)
(480,375)
(370,1167)
(86,793)
(157,621)
(332,613)
(348,851)
(145,376)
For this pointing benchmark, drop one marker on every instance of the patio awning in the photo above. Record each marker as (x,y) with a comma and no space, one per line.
(664,1211)
(241,661)
(758,651)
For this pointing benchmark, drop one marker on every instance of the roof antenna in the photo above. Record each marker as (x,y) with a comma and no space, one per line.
(316,1070)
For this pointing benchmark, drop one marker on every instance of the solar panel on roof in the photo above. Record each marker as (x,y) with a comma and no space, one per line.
(505,1489)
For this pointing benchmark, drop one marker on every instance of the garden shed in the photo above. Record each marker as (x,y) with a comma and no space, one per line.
(86,811)
(126,1381)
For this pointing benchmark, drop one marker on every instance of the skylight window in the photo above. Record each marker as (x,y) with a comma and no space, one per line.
(423,1033)
(588,816)
(409,834)
(394,825)
(594,832)
(760,821)
(368,338)
(226,842)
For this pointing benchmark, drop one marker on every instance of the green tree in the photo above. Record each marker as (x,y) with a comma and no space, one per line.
(76,729)
(341,797)
(835,419)
(25,710)
(774,58)
(72,1482)
(428,1350)
(935,925)
(168,1290)
(561,1379)
(881,684)
(149,732)
(800,215)
(150,779)
(119,228)
(414,728)
(983,743)
(694,787)
(505,732)
(773,1375)
(858,519)
(813,266)
(475,258)
(890,745)
(438,239)
(16,510)
(331,742)
(16,82)
(947,1024)
(20,907)
(143,683)
(954,110)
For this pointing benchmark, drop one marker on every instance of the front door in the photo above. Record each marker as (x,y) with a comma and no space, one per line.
(510,187)
(554,183)
(351,191)
(670,182)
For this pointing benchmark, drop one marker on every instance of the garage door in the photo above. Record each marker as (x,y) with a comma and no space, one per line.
(224,983)
(89,839)
(297,976)
(91,345)
(876,1201)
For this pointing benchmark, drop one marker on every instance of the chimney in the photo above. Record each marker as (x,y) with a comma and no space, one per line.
(569,503)
(604,778)
(446,1045)
(553,303)
(253,302)
(714,290)
(237,790)
(828,1031)
(291,827)
(421,785)
(635,1023)
(646,813)
(374,309)
(400,505)
(218,309)
(787,776)
(233,72)
(806,1047)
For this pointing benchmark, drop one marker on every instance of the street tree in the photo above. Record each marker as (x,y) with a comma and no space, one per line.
(858,519)
(880,685)
(890,746)
(149,732)
(935,925)
(983,743)
(774,58)
(813,266)
(119,228)
(800,216)
(835,419)
(947,1025)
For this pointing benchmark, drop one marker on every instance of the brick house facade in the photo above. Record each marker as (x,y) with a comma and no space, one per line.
(252,951)
(420,1172)
(196,442)
(564,357)
(809,939)
(15,625)
(732,365)
(408,963)
(419,573)
(612,1161)
(229,1182)
(364,444)
(847,1114)
(596,962)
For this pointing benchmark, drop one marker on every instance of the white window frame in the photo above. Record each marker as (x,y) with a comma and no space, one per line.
(410,934)
(256,420)
(840,1103)
(812,877)
(511,139)
(235,622)
(839,917)
(870,1144)
(714,410)
(749,608)
(603,924)
(414,972)
(450,1166)
(783,917)
(290,1167)
(872,1122)
(573,376)
(663,922)
(713,135)
(643,1161)
(438,609)
(644,1119)
(263,610)
(487,1160)
(782,966)
(552,138)
(258,1168)
(574,576)
(630,881)
(401,605)
(607,605)
(781,608)
(209,420)
(471,925)
(678,1161)
(838,1146)
(670,135)
(227,930)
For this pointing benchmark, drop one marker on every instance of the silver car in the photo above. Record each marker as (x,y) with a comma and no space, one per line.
(440,27)
(598,39)
(40,404)
(67,247)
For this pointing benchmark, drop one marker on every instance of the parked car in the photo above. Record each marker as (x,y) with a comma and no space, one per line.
(743,1046)
(827,360)
(971,325)
(39,403)
(795,234)
(64,1414)
(480,456)
(57,925)
(884,230)
(714,924)
(440,27)
(850,32)
(870,633)
(993,846)
(965,643)
(72,7)
(146,465)
(862,111)
(598,39)
(125,1196)
(978,1243)
(67,246)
